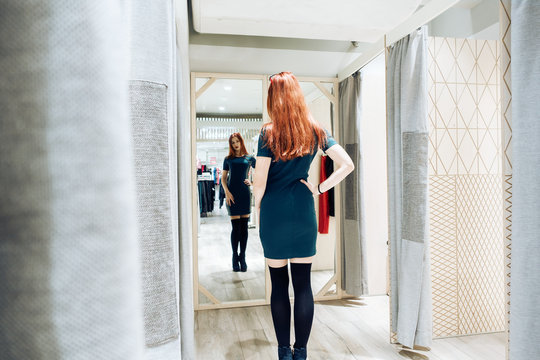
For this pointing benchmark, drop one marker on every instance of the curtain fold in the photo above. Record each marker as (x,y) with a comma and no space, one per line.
(525,284)
(406,93)
(93,265)
(69,256)
(156,112)
(353,242)
(187,320)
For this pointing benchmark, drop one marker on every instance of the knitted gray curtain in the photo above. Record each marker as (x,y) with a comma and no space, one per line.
(525,283)
(70,279)
(153,114)
(406,92)
(353,240)
(89,232)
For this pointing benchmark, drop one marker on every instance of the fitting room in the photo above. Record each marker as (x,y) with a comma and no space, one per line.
(428,250)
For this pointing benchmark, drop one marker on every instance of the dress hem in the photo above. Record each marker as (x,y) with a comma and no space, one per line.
(290,257)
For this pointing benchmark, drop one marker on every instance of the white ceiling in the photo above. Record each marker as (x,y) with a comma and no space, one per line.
(266,37)
(359,20)
(230,96)
(251,60)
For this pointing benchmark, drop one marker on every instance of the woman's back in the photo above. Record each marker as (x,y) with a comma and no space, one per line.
(285,199)
(284,173)
(288,224)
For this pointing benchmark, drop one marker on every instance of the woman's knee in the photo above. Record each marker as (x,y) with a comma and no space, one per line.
(276,263)
(303,260)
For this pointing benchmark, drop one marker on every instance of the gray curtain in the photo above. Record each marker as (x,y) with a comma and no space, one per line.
(406,92)
(353,240)
(525,283)
(184,183)
(89,233)
(155,115)
(70,279)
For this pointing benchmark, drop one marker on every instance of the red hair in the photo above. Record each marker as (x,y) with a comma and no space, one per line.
(243,150)
(291,132)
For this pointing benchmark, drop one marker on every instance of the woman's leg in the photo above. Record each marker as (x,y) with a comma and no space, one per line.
(243,237)
(235,239)
(303,300)
(279,301)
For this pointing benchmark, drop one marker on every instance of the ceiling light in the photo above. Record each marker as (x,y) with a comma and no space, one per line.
(227,88)
(222,108)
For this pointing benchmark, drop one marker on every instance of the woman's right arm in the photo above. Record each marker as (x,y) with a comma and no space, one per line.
(228,196)
(344,166)
(259,181)
(224,175)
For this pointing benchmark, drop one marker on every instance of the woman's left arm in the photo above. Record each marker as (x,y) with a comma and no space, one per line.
(259,180)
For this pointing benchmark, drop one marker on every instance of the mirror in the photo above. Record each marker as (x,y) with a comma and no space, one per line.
(319,98)
(225,106)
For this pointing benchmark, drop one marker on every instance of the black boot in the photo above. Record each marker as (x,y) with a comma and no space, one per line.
(235,263)
(284,353)
(300,354)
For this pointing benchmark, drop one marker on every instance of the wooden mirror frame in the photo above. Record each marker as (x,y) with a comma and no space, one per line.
(322,294)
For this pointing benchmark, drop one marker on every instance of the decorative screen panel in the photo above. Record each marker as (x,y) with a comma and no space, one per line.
(466,202)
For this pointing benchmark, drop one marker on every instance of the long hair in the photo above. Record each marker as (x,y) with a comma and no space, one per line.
(293,132)
(243,150)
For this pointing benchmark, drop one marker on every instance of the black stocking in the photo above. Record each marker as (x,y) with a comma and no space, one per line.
(303,303)
(235,235)
(243,235)
(280,305)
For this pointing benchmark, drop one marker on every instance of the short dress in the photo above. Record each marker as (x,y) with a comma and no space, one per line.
(288,224)
(238,168)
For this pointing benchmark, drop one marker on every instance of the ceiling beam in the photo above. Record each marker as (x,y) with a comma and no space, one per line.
(421,17)
(264,42)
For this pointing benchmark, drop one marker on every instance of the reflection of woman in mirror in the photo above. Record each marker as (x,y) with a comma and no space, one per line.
(238,197)
(284,197)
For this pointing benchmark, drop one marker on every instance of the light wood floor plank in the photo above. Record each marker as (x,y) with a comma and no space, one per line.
(349,329)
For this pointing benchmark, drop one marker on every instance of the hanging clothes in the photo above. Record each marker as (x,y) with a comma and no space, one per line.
(324,214)
(206,196)
(217,175)
(329,169)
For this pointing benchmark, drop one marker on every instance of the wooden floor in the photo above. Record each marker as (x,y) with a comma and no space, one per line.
(342,329)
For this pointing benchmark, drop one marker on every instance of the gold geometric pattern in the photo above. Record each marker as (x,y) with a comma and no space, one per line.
(506,128)
(443,255)
(465,186)
(465,123)
(480,259)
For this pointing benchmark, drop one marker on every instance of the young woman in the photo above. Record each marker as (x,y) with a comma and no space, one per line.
(238,197)
(284,197)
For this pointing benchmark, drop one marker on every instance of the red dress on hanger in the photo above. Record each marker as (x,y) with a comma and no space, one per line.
(324,210)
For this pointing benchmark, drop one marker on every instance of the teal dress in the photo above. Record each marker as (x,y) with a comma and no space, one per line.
(288,224)
(238,168)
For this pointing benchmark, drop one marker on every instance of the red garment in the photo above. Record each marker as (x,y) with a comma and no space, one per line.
(324,209)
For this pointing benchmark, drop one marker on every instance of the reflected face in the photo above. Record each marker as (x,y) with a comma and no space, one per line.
(235,143)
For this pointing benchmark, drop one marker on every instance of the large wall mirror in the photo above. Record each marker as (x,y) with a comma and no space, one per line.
(223,104)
